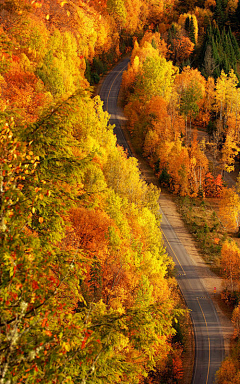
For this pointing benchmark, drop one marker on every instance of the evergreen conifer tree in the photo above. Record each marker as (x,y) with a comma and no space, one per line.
(187,24)
(220,15)
(237,15)
(225,51)
(192,31)
(234,43)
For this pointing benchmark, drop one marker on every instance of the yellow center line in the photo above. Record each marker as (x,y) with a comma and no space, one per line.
(174,253)
(209,344)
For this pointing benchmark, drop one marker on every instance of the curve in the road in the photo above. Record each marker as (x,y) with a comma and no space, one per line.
(209,345)
(109,94)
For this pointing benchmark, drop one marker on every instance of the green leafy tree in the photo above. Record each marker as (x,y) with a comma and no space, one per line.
(188,104)
(35,271)
(157,77)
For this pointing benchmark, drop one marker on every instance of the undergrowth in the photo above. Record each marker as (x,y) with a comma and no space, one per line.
(202,222)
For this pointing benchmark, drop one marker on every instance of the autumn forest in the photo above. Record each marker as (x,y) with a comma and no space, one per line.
(87,290)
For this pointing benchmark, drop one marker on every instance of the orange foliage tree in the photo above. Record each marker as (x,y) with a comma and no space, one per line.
(236,320)
(154,119)
(206,109)
(84,295)
(181,48)
(230,265)
(24,93)
(84,287)
(228,373)
(213,186)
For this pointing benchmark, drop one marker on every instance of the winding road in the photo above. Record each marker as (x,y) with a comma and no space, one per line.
(209,345)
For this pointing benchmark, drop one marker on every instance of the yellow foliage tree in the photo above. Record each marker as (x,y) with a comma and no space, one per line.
(230,264)
(129,77)
(203,16)
(157,77)
(133,15)
(190,86)
(225,95)
(230,149)
(208,102)
(155,39)
(229,209)
(236,320)
(198,167)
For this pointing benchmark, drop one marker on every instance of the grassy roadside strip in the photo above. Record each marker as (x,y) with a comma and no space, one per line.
(201,220)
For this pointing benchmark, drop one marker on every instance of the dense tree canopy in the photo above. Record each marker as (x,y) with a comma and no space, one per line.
(86,295)
(86,287)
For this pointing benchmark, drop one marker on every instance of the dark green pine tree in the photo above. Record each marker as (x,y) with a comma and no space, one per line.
(226,66)
(206,53)
(192,31)
(171,35)
(237,15)
(234,18)
(209,31)
(225,51)
(216,58)
(224,5)
(187,24)
(231,53)
(203,50)
(216,34)
(220,13)
(224,43)
(234,44)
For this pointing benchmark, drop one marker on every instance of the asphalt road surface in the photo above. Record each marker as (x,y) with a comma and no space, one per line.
(109,94)
(209,345)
